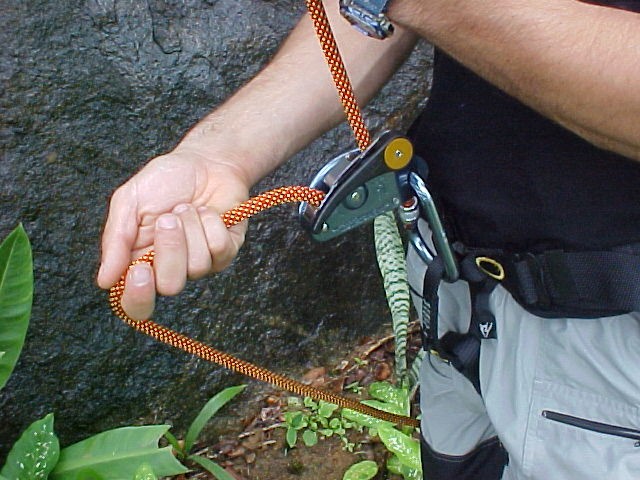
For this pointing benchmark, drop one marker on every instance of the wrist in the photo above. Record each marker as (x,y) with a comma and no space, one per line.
(220,144)
(429,18)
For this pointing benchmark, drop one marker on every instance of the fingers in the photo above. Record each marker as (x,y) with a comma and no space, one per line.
(188,243)
(198,255)
(223,243)
(139,294)
(170,263)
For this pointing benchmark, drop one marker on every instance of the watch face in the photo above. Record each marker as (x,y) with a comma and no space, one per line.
(375,25)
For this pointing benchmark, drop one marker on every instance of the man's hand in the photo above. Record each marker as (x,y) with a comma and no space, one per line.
(173,206)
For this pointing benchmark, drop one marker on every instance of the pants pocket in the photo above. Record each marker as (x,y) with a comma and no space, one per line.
(575,434)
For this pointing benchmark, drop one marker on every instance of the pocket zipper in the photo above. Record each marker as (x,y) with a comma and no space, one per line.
(593,426)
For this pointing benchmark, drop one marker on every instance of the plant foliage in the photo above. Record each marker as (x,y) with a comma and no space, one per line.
(35,454)
(315,420)
(117,454)
(364,470)
(16,294)
(391,260)
(208,411)
(145,472)
(405,449)
(213,468)
(205,414)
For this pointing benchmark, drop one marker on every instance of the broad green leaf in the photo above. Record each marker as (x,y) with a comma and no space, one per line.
(388,393)
(395,466)
(326,409)
(385,407)
(364,470)
(116,454)
(292,437)
(145,472)
(208,411)
(213,468)
(406,448)
(16,295)
(35,453)
(310,438)
(363,419)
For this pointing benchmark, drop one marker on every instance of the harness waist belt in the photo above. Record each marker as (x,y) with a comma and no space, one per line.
(588,284)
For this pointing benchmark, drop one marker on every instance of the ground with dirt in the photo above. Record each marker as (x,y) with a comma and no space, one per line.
(259,450)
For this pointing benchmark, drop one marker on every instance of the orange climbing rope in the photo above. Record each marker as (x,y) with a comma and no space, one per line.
(251,207)
(338,72)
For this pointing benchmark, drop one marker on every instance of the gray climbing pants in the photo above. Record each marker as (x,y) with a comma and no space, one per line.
(560,397)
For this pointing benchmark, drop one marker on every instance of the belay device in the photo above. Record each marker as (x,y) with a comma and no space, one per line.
(360,185)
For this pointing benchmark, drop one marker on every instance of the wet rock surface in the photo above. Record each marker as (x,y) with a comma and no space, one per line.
(89,90)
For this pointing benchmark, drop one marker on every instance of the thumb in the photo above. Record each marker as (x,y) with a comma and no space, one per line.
(118,238)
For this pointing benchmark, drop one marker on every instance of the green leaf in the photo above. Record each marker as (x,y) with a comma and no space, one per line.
(335,423)
(116,454)
(326,409)
(398,468)
(364,470)
(390,253)
(363,419)
(16,295)
(208,411)
(385,407)
(388,393)
(173,441)
(310,438)
(145,472)
(406,448)
(292,437)
(297,420)
(309,403)
(35,453)
(213,468)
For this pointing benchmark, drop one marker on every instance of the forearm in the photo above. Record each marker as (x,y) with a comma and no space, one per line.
(293,100)
(575,63)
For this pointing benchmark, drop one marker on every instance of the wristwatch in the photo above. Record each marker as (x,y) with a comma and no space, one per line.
(368,16)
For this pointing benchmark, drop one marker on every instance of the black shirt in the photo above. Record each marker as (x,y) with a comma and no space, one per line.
(507,177)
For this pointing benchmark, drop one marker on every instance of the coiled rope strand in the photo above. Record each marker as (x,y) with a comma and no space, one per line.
(165,335)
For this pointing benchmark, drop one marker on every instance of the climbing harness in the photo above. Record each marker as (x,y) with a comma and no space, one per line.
(329,207)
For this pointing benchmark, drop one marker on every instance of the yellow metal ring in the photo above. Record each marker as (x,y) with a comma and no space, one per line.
(493,268)
(398,153)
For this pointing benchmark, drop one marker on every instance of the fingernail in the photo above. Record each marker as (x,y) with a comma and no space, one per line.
(183,207)
(100,270)
(167,221)
(140,276)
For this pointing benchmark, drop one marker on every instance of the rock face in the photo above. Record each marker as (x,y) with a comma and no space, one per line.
(90,89)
